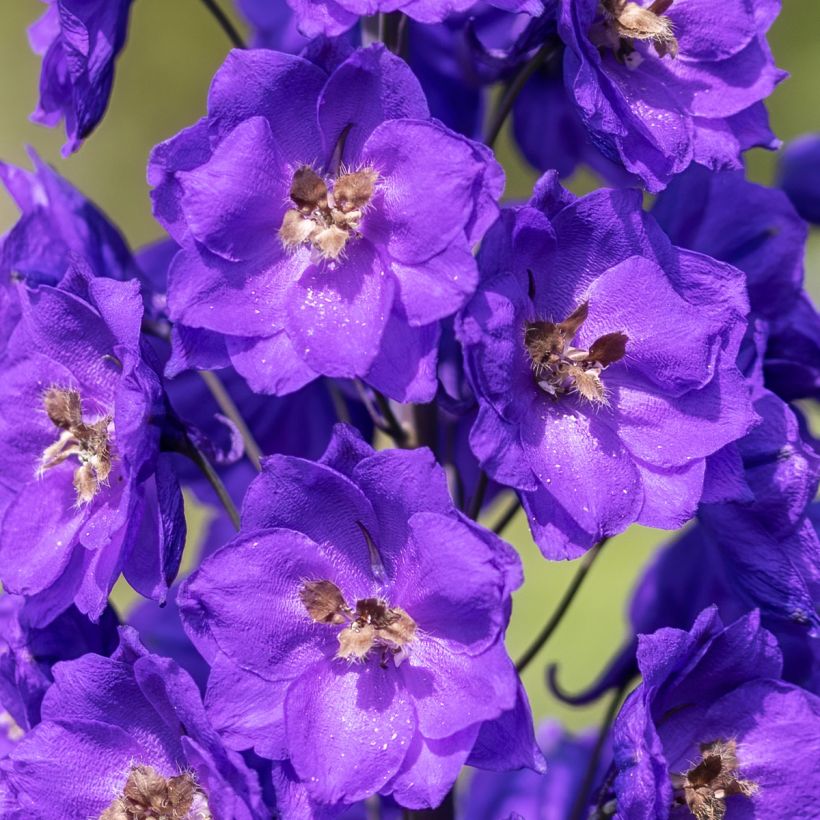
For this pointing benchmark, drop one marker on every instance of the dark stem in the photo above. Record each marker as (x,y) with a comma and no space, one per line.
(514,88)
(588,782)
(392,31)
(563,605)
(390,424)
(425,422)
(339,403)
(225,23)
(227,406)
(507,517)
(478,496)
(199,458)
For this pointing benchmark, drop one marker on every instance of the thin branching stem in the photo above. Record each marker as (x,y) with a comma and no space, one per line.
(224,23)
(563,606)
(507,516)
(582,797)
(514,88)
(201,460)
(229,408)
(477,501)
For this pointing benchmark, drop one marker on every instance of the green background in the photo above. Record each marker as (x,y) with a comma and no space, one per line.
(162,79)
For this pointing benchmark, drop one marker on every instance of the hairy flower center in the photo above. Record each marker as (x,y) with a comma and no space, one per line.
(147,794)
(622,22)
(372,624)
(705,787)
(327,213)
(560,368)
(88,442)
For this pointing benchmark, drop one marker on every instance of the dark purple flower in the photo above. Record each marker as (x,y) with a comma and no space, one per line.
(119,736)
(713,731)
(79,41)
(799,175)
(366,646)
(57,224)
(527,794)
(333,17)
(603,360)
(28,653)
(662,85)
(274,25)
(354,240)
(757,230)
(85,493)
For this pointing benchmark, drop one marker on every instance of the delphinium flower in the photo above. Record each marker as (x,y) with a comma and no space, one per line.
(333,17)
(355,238)
(28,653)
(79,41)
(799,175)
(274,25)
(661,85)
(360,641)
(705,735)
(57,222)
(85,493)
(528,794)
(603,360)
(757,230)
(126,737)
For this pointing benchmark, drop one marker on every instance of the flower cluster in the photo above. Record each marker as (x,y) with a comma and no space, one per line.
(349,364)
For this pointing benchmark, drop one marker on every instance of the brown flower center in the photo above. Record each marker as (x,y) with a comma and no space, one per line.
(325,217)
(89,442)
(560,368)
(705,787)
(147,795)
(372,625)
(622,22)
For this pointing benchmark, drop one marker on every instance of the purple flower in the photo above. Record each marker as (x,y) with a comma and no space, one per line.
(79,41)
(378,664)
(799,175)
(603,360)
(274,25)
(123,737)
(757,230)
(663,85)
(85,493)
(57,224)
(528,794)
(355,238)
(333,17)
(709,730)
(28,653)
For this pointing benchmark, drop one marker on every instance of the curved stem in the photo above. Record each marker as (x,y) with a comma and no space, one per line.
(588,782)
(198,457)
(227,406)
(563,605)
(225,24)
(388,423)
(511,92)
(478,496)
(507,517)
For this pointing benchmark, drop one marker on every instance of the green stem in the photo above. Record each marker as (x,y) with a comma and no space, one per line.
(227,406)
(224,23)
(563,606)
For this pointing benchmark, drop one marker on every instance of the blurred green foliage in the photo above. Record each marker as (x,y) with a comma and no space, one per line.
(161,84)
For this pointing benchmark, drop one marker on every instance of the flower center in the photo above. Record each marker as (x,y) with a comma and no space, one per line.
(622,22)
(147,794)
(88,442)
(326,216)
(372,625)
(560,368)
(705,787)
